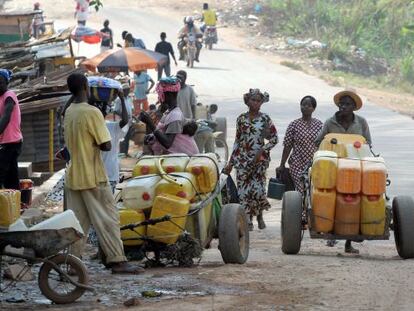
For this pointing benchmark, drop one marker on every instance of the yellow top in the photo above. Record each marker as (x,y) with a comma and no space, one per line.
(85,130)
(209,17)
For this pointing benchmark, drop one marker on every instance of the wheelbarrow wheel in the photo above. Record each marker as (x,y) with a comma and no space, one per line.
(233,234)
(55,286)
(403,214)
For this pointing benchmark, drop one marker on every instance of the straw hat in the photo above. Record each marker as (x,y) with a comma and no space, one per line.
(350,93)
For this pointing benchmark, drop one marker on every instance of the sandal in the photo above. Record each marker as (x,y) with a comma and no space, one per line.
(126,268)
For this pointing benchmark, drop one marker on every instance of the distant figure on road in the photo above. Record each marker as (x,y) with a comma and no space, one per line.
(345,121)
(107,42)
(299,143)
(130,41)
(10,134)
(165,48)
(187,98)
(38,27)
(141,90)
(209,17)
(82,11)
(251,156)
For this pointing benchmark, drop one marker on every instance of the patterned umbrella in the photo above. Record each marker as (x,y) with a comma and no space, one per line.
(126,59)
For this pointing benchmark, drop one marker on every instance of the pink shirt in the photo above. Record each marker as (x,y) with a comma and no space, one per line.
(12,133)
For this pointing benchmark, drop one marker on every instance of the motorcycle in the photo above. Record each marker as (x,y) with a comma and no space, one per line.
(190,49)
(210,36)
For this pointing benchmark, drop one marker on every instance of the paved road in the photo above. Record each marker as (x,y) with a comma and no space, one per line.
(226,72)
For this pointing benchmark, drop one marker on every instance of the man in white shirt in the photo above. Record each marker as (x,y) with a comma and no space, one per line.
(186,98)
(82,11)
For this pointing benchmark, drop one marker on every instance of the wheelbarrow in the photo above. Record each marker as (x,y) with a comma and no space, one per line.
(62,277)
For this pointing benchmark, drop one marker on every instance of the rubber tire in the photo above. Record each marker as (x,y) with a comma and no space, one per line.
(221,127)
(49,293)
(403,214)
(291,222)
(233,234)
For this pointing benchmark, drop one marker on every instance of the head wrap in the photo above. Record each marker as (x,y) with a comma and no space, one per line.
(256,92)
(169,84)
(6,74)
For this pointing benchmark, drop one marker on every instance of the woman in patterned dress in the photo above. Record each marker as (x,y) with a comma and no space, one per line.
(251,156)
(299,142)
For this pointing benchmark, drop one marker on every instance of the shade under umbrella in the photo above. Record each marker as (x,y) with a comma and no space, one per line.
(126,59)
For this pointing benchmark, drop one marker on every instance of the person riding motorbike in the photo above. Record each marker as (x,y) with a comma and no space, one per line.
(209,18)
(189,28)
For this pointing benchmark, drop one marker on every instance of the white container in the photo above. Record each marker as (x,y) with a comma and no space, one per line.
(67,219)
(139,193)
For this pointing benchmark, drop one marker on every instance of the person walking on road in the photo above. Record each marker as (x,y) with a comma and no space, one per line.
(82,11)
(130,41)
(10,134)
(141,90)
(299,143)
(251,155)
(86,183)
(107,42)
(165,48)
(345,121)
(187,98)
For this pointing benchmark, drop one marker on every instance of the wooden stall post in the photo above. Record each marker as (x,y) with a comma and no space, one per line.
(51,142)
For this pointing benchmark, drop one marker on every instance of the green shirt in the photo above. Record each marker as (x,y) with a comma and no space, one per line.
(359,126)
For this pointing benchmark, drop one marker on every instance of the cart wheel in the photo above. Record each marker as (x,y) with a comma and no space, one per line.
(233,234)
(291,222)
(55,286)
(403,214)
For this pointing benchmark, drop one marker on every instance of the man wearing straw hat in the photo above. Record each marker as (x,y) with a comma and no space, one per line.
(345,121)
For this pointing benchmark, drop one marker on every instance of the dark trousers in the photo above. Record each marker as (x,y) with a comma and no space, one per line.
(124,145)
(9,170)
(166,68)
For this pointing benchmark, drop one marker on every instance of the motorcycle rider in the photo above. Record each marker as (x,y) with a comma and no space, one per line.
(209,17)
(189,28)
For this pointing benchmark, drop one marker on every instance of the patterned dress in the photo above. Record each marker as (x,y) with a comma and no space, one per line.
(301,136)
(251,177)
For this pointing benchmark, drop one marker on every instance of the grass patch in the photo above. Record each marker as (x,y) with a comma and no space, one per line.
(291,65)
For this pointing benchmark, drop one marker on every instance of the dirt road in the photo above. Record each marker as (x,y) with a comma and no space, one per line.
(319,278)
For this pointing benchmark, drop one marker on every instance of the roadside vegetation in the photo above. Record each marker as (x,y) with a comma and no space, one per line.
(367,38)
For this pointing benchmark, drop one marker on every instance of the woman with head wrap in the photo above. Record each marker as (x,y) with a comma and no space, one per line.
(299,143)
(10,134)
(167,137)
(251,155)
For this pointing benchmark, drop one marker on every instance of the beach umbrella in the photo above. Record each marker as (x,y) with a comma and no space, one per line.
(125,59)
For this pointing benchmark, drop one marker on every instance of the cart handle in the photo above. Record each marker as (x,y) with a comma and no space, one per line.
(165,175)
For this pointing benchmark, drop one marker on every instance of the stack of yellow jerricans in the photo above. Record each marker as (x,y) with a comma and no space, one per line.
(348,196)
(9,207)
(153,194)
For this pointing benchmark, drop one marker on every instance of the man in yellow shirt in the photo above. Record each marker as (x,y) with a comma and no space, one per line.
(87,189)
(209,16)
